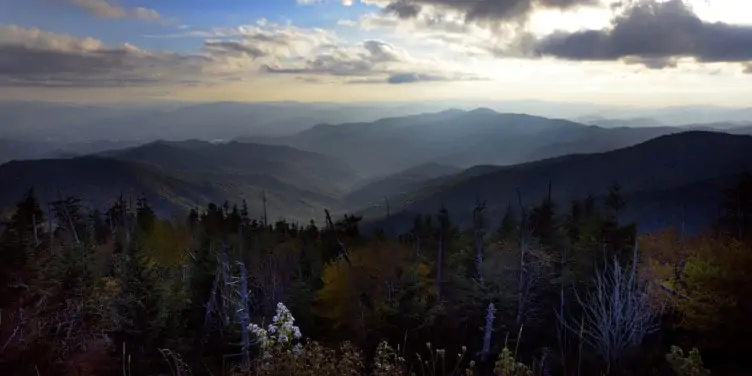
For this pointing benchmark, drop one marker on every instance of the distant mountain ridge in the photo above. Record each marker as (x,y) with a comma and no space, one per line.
(415,163)
(663,164)
(467,138)
(177,176)
(381,189)
(453,137)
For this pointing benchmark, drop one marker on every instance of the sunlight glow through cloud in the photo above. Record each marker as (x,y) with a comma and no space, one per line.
(547,45)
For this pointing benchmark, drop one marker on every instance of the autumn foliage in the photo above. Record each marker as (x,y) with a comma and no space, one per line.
(122,291)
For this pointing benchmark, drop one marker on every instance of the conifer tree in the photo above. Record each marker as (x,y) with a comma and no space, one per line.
(508,229)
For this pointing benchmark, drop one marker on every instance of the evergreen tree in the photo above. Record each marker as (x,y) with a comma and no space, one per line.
(193,219)
(118,215)
(100,230)
(573,222)
(615,202)
(508,229)
(23,233)
(145,215)
(69,218)
(543,223)
(736,209)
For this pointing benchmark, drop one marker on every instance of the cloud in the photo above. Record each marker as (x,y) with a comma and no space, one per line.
(370,62)
(32,57)
(272,41)
(482,10)
(369,58)
(336,61)
(406,78)
(403,9)
(654,34)
(104,9)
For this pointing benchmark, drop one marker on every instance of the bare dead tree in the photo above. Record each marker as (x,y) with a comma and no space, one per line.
(226,287)
(36,231)
(263,198)
(388,212)
(211,303)
(443,224)
(68,217)
(17,334)
(343,250)
(616,312)
(242,310)
(521,285)
(478,227)
(488,331)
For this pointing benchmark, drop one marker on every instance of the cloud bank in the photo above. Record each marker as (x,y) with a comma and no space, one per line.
(655,34)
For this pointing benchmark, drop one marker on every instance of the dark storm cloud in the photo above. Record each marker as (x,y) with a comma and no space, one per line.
(655,34)
(484,10)
(403,9)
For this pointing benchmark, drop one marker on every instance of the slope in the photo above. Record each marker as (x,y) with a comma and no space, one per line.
(662,164)
(460,138)
(312,172)
(374,190)
(179,175)
(391,145)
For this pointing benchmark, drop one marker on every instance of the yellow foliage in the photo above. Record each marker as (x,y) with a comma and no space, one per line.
(167,244)
(352,293)
(701,277)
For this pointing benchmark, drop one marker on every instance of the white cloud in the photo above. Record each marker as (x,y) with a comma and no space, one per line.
(372,61)
(32,57)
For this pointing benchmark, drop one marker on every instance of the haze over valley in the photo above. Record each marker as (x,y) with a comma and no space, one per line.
(309,157)
(375,187)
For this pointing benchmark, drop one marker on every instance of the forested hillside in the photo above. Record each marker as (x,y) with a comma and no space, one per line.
(178,176)
(672,163)
(551,291)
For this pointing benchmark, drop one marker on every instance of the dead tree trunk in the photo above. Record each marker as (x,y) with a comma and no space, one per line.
(523,253)
(243,313)
(488,332)
(478,231)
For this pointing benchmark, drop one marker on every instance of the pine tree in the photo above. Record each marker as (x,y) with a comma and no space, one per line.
(145,215)
(736,209)
(543,223)
(508,229)
(70,219)
(574,221)
(615,202)
(23,233)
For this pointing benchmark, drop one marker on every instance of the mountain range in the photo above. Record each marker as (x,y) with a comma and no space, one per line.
(177,176)
(675,174)
(459,138)
(413,164)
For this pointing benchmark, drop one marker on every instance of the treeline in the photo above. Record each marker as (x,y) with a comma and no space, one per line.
(550,288)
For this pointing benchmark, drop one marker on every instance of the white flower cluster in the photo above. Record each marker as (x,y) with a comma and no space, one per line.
(281,331)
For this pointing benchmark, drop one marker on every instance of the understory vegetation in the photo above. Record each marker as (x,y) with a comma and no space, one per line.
(549,289)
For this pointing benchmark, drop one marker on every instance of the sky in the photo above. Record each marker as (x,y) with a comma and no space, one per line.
(626,52)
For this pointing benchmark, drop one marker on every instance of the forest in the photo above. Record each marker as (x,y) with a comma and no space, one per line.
(552,288)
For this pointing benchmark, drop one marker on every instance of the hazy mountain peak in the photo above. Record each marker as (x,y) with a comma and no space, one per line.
(483,111)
